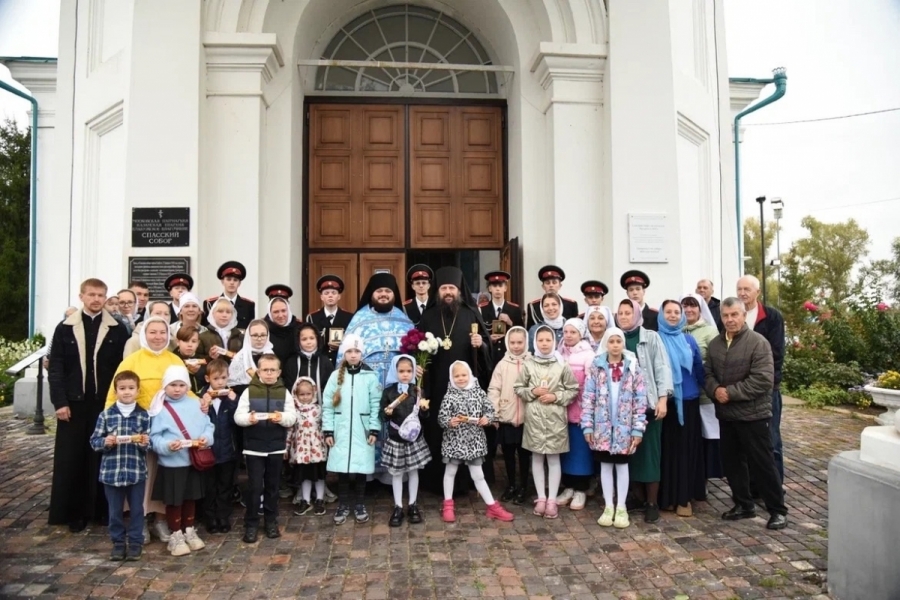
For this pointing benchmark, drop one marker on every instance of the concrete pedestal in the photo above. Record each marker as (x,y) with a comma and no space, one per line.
(863,529)
(25,395)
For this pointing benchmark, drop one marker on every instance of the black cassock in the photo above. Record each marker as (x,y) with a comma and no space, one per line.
(437,379)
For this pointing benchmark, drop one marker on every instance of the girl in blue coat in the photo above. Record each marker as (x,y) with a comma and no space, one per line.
(350,423)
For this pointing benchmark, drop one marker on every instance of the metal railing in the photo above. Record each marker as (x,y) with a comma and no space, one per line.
(37,426)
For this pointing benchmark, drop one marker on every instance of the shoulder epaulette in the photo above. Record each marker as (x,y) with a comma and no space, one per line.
(567,299)
(653,309)
(512,304)
(535,301)
(407,301)
(483,304)
(213,298)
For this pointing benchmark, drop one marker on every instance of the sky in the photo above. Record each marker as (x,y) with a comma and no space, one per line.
(842,57)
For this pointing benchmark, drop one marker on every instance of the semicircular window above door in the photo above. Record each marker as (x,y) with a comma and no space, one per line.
(421,47)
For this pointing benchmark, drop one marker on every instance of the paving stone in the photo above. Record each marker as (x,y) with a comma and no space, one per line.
(701,557)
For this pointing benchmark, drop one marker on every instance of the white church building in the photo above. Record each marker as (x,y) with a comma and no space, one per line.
(303,137)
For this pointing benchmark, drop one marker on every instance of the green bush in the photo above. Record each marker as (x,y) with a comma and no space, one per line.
(10,354)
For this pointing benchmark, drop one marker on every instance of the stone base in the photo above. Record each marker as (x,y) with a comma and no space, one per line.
(25,395)
(881,446)
(863,531)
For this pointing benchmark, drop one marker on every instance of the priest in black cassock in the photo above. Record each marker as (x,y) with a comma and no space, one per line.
(457,321)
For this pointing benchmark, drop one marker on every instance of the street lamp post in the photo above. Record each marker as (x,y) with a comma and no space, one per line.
(778,205)
(762,245)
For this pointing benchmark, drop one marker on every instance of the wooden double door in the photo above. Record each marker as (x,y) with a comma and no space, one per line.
(387,179)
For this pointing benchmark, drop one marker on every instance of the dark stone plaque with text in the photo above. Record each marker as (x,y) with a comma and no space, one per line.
(154,270)
(160,227)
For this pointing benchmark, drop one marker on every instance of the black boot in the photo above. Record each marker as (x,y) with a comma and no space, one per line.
(413,513)
(251,534)
(396,517)
(521,496)
(509,494)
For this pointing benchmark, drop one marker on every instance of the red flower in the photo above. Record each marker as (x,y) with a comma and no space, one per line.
(882,307)
(810,306)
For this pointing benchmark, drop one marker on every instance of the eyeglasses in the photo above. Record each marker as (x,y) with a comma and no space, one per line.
(269,370)
(259,336)
(126,302)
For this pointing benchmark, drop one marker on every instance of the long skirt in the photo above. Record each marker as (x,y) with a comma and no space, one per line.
(579,459)
(644,464)
(683,468)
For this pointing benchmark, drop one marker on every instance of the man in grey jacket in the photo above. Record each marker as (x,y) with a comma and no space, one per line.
(739,377)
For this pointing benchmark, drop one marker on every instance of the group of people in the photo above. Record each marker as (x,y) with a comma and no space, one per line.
(160,402)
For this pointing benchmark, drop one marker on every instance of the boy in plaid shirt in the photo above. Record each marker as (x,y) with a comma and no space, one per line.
(122,434)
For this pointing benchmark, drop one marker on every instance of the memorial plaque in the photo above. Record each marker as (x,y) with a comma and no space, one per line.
(160,227)
(648,238)
(154,270)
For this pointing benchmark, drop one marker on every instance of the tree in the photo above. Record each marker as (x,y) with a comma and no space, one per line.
(753,256)
(795,292)
(830,253)
(15,171)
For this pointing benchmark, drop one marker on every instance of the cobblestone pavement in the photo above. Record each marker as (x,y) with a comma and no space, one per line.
(571,557)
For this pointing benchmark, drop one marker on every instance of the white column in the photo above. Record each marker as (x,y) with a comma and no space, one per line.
(234,159)
(643,128)
(52,225)
(572,76)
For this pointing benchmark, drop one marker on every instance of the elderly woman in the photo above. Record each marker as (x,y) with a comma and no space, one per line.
(683,472)
(597,319)
(551,316)
(644,465)
(190,311)
(150,363)
(702,327)
(157,308)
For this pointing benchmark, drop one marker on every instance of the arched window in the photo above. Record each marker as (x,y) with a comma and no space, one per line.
(406,40)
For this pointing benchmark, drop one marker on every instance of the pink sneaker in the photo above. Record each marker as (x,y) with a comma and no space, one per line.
(552,510)
(540,506)
(496,511)
(448,511)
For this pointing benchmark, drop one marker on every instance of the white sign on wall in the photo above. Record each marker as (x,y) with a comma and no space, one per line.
(647,235)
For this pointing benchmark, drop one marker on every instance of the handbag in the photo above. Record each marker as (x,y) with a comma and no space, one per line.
(202,459)
(411,427)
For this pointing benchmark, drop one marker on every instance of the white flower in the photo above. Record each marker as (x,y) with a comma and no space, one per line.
(433,345)
(429,336)
(423,346)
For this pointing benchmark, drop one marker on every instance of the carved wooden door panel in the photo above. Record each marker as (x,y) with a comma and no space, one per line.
(345,266)
(391,262)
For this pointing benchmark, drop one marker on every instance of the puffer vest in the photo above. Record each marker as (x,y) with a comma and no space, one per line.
(265,436)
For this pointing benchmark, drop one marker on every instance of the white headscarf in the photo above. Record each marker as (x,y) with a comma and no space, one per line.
(142,336)
(559,321)
(224,332)
(243,360)
(705,313)
(172,374)
(352,341)
(288,304)
(554,354)
(472,381)
(310,381)
(189,298)
(506,340)
(393,377)
(578,324)
(603,310)
(611,331)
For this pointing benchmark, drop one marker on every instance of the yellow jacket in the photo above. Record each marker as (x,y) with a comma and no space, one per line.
(150,368)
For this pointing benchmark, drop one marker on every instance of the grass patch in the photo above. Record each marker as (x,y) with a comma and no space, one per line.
(771,582)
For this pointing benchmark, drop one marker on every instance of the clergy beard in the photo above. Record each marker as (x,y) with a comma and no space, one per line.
(382,307)
(450,306)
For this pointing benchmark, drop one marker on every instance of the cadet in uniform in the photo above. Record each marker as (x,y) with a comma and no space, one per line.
(176,285)
(551,278)
(330,316)
(594,292)
(419,278)
(635,283)
(231,274)
(500,309)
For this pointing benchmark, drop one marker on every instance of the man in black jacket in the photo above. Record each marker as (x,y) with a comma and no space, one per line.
(84,354)
(768,322)
(705,289)
(739,377)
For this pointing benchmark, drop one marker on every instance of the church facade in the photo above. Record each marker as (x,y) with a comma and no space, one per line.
(305,137)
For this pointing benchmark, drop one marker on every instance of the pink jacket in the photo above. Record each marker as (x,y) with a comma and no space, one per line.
(579,358)
(501,391)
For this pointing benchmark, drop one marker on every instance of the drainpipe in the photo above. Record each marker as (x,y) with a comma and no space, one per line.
(780,80)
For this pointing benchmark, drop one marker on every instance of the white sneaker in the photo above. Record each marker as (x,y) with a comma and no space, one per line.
(161,530)
(606,519)
(566,497)
(177,545)
(192,539)
(578,501)
(621,520)
(330,497)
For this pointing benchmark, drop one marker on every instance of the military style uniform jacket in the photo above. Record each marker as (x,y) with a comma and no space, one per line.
(509,308)
(244,307)
(320,321)
(650,315)
(411,308)
(533,311)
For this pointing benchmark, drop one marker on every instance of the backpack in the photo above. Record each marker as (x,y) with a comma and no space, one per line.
(411,427)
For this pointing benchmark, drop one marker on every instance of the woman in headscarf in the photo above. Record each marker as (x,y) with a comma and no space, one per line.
(683,473)
(578,463)
(244,364)
(702,327)
(157,308)
(551,316)
(283,330)
(190,311)
(597,319)
(150,363)
(223,339)
(644,465)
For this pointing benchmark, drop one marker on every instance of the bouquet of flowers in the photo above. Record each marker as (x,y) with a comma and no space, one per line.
(422,346)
